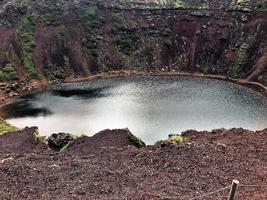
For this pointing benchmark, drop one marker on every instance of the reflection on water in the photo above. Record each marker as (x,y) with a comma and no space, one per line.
(25,108)
(151,107)
(81,93)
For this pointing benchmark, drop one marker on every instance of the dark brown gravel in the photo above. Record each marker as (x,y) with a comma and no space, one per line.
(108,166)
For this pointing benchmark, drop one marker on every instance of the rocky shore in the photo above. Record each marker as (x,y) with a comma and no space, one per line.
(113,164)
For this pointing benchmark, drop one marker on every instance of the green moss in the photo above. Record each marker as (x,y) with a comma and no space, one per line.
(241,58)
(52,72)
(66,61)
(51,15)
(176,138)
(242,54)
(8,73)
(5,127)
(27,40)
(40,138)
(119,22)
(55,73)
(136,141)
(172,138)
(128,43)
(91,21)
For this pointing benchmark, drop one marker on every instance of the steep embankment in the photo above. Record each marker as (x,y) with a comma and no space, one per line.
(109,166)
(47,40)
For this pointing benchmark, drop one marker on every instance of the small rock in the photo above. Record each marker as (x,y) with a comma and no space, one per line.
(221,145)
(7,159)
(55,166)
(59,141)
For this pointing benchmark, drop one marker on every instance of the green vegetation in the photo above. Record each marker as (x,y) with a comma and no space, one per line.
(8,73)
(234,71)
(128,43)
(50,18)
(66,61)
(172,138)
(54,73)
(40,138)
(136,141)
(51,15)
(176,138)
(5,127)
(91,21)
(27,40)
(119,21)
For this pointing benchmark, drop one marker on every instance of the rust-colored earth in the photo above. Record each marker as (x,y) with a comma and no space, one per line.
(109,166)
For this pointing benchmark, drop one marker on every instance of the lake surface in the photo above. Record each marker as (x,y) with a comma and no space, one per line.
(151,107)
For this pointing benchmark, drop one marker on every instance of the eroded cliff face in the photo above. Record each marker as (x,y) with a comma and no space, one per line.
(48,40)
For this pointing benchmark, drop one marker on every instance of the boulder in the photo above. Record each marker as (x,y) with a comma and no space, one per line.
(58,141)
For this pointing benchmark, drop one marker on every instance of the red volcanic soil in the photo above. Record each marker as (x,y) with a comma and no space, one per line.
(109,166)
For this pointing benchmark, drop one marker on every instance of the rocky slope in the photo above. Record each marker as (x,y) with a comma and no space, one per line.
(47,40)
(110,166)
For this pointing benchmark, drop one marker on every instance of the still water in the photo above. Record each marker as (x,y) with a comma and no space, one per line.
(151,107)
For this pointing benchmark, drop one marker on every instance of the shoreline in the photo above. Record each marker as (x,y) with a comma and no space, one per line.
(258,87)
(41,85)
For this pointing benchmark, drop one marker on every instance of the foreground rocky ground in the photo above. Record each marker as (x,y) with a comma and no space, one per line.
(110,166)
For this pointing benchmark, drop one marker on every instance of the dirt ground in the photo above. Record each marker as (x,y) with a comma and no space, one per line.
(109,166)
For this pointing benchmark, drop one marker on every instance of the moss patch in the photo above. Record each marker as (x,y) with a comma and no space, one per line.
(91,21)
(128,43)
(176,138)
(27,41)
(136,141)
(8,73)
(172,138)
(55,73)
(241,58)
(40,138)
(119,22)
(6,127)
